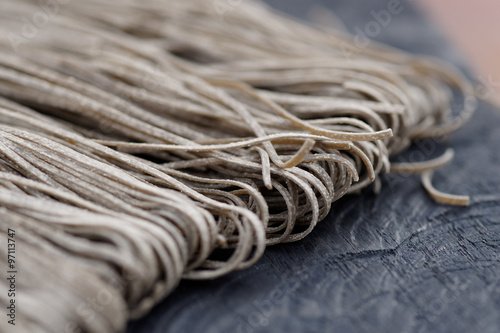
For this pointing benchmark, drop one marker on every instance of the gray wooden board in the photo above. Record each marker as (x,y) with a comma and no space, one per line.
(393,262)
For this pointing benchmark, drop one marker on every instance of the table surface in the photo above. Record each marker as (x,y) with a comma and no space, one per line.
(393,262)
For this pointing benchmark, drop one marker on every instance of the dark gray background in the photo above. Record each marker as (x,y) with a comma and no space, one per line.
(396,262)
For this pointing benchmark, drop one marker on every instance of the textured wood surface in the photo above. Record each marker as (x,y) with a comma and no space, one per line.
(396,262)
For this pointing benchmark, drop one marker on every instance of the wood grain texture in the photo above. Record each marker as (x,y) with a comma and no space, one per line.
(393,262)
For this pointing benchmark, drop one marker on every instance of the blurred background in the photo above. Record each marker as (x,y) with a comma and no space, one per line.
(473,27)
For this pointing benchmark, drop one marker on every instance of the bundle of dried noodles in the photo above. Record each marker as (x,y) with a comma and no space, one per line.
(138,137)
